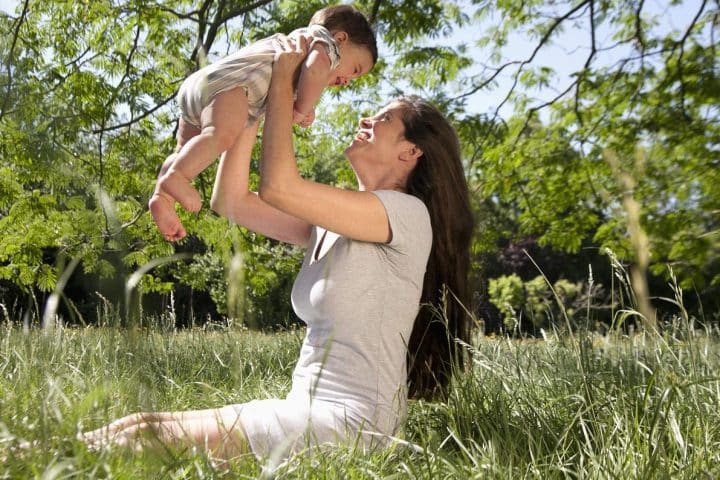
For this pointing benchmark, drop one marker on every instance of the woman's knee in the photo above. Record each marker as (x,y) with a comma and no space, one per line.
(234,444)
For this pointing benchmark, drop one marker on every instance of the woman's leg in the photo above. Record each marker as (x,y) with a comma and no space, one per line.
(216,431)
(222,122)
(162,205)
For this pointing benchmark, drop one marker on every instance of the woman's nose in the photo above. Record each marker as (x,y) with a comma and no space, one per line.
(365,122)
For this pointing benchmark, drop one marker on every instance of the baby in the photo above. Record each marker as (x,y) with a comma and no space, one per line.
(222,99)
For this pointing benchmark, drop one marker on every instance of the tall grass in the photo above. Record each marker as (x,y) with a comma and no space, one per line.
(568,406)
(54,385)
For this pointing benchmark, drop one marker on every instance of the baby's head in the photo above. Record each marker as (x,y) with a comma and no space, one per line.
(355,38)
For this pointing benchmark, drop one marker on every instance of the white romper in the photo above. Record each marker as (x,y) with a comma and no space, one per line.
(249,67)
(359,301)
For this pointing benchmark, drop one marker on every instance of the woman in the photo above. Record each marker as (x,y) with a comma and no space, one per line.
(374,256)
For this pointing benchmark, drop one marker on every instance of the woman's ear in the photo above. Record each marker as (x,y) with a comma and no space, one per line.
(411,153)
(409,157)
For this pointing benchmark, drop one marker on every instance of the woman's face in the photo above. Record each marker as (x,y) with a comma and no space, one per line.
(379,138)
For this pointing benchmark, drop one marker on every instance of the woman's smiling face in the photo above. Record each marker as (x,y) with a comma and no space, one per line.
(380,154)
(382,133)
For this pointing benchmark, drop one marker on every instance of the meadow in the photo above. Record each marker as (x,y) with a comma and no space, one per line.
(629,141)
(569,405)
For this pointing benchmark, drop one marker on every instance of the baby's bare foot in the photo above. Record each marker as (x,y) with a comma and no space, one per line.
(162,209)
(178,187)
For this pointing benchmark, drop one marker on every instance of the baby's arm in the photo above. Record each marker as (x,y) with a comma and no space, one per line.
(314,75)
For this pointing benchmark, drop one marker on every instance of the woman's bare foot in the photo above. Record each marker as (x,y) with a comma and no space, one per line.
(174,184)
(162,209)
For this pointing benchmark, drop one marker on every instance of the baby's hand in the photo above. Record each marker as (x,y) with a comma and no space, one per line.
(304,120)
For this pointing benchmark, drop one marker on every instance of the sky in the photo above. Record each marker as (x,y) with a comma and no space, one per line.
(565,55)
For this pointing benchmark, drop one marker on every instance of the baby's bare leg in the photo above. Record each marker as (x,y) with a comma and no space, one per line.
(162,205)
(222,122)
(162,208)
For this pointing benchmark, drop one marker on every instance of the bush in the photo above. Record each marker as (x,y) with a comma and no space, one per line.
(534,300)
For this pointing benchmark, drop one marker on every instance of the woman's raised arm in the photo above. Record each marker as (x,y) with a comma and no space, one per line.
(232,198)
(355,214)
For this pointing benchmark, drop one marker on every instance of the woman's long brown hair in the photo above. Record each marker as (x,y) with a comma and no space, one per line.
(439,181)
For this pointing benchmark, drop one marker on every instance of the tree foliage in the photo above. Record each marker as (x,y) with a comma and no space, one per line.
(87,116)
(646,94)
(535,302)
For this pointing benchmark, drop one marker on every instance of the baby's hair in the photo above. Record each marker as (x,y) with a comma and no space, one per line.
(344,18)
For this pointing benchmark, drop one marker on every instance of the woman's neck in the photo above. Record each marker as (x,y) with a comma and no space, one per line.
(386,183)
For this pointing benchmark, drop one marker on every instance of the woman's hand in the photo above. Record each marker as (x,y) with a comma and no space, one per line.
(357,215)
(289,56)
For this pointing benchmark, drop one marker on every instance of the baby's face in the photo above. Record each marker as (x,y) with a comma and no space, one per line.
(355,60)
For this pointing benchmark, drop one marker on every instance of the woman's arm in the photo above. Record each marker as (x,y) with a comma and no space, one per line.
(232,199)
(357,215)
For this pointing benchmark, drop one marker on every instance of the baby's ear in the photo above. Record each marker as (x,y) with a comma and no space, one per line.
(340,36)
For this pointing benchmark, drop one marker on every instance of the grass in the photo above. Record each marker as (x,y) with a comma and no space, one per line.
(585,406)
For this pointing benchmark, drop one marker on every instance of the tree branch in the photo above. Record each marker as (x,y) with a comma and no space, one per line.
(214,27)
(374,11)
(202,25)
(639,33)
(588,61)
(220,19)
(145,114)
(557,21)
(241,11)
(13,44)
(681,45)
(206,29)
(193,15)
(498,71)
(128,67)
